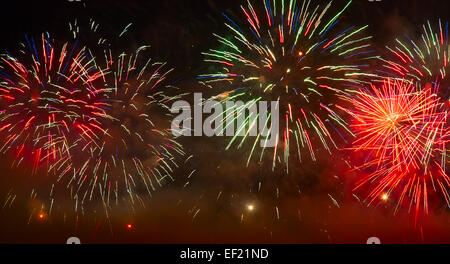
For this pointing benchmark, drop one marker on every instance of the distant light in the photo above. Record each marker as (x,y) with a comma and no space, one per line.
(129,226)
(288,70)
(300,53)
(384,197)
(250,207)
(41,216)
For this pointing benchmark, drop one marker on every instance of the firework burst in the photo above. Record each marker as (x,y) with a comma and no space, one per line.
(43,92)
(298,55)
(401,132)
(133,152)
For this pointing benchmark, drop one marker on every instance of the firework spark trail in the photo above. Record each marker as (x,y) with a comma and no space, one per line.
(44,92)
(293,53)
(401,130)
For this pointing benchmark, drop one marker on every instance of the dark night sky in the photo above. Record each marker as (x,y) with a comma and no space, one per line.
(178,30)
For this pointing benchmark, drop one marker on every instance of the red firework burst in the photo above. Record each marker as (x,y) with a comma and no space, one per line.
(401,130)
(44,93)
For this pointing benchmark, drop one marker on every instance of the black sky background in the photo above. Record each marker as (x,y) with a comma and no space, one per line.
(178,31)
